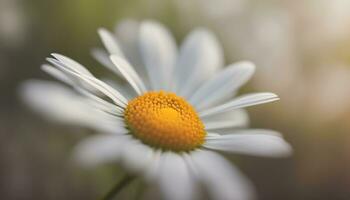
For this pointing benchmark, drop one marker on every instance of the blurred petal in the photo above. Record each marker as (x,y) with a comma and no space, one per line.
(100,149)
(61,104)
(110,42)
(58,74)
(128,33)
(103,57)
(257,142)
(55,101)
(200,56)
(231,119)
(222,84)
(137,157)
(124,88)
(221,178)
(175,179)
(158,50)
(241,102)
(152,172)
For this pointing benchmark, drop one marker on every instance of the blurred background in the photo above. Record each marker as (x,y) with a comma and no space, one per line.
(301,49)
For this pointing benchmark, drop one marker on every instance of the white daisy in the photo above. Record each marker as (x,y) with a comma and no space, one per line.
(169,126)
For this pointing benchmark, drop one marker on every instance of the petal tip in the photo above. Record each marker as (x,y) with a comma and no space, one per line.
(101,30)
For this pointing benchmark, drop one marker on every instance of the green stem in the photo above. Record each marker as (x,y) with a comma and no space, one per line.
(139,191)
(118,187)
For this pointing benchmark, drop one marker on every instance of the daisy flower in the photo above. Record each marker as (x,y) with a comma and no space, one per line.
(171,120)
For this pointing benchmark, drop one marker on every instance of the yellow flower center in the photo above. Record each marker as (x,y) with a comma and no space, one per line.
(166,121)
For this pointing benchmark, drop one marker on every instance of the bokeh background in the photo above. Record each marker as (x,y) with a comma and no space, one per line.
(301,49)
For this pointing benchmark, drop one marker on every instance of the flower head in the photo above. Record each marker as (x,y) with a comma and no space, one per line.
(166,124)
(166,121)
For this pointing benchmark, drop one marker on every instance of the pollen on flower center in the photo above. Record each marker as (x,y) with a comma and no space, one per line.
(166,121)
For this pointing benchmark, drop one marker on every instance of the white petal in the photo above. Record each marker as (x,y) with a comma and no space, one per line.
(66,64)
(151,175)
(55,101)
(124,88)
(129,74)
(99,85)
(96,101)
(128,33)
(256,142)
(175,180)
(56,73)
(71,64)
(110,42)
(61,104)
(241,102)
(112,127)
(138,157)
(222,84)
(103,57)
(113,94)
(211,135)
(100,103)
(100,149)
(200,56)
(220,178)
(158,51)
(231,119)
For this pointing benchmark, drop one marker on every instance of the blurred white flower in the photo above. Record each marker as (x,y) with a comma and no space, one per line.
(169,126)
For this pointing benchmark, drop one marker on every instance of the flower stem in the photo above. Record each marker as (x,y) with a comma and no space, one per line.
(118,187)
